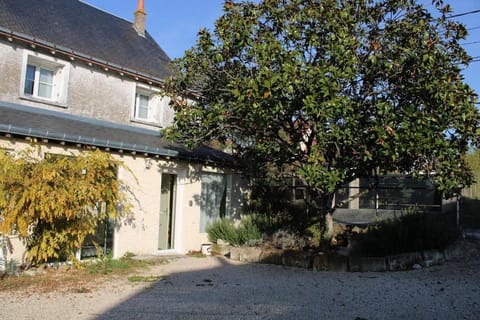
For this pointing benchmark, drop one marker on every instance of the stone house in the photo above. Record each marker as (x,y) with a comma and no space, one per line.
(74,77)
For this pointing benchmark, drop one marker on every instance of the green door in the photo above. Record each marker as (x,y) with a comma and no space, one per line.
(167,212)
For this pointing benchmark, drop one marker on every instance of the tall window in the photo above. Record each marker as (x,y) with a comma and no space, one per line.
(39,82)
(141,106)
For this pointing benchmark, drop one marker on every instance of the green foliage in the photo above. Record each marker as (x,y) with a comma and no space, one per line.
(272,209)
(473,160)
(316,233)
(268,223)
(331,90)
(246,233)
(283,239)
(412,231)
(108,265)
(54,203)
(223,229)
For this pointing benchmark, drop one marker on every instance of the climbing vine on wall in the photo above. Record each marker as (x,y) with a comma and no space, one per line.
(54,202)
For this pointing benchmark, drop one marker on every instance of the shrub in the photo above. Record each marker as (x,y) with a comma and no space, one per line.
(53,204)
(287,240)
(315,232)
(224,229)
(272,209)
(269,223)
(248,232)
(412,231)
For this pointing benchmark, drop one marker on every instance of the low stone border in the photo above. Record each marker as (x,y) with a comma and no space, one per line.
(340,263)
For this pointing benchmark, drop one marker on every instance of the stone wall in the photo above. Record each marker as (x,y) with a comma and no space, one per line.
(342,263)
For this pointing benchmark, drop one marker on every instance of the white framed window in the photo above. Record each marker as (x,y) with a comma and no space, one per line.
(39,82)
(151,107)
(142,109)
(44,78)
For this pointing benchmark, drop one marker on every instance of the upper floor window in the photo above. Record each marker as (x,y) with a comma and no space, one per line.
(151,107)
(142,111)
(44,78)
(39,82)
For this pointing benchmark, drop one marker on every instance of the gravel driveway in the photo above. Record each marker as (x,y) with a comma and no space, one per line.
(216,288)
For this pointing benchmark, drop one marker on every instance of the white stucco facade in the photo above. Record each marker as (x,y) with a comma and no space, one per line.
(139,233)
(88,90)
(85,90)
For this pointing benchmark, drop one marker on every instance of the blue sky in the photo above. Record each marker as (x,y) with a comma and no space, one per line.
(174,24)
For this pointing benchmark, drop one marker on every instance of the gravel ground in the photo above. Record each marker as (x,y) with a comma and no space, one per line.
(216,288)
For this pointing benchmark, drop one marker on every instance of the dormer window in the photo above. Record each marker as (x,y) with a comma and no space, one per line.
(44,78)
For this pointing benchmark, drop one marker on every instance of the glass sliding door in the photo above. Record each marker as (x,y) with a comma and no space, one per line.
(213,200)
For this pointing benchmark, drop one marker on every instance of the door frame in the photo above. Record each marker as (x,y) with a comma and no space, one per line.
(178,209)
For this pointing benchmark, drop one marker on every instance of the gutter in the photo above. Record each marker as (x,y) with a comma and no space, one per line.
(9,130)
(25,130)
(77,139)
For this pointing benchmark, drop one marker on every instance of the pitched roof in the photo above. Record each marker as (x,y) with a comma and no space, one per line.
(85,30)
(20,120)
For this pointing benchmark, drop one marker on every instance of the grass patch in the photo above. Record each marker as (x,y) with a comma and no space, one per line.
(78,280)
(196,254)
(50,280)
(118,266)
(138,278)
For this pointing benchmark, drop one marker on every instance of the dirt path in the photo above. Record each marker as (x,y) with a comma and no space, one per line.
(216,288)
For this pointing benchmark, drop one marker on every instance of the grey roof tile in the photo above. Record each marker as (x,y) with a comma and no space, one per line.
(88,30)
(57,126)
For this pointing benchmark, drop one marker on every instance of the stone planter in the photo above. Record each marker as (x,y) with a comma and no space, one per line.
(433,258)
(367,264)
(404,261)
(300,259)
(257,255)
(272,256)
(246,254)
(330,262)
(220,249)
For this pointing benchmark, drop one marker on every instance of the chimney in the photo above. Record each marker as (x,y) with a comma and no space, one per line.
(140,18)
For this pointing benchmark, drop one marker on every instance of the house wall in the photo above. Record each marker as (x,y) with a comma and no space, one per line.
(95,93)
(140,236)
(10,70)
(91,92)
(139,232)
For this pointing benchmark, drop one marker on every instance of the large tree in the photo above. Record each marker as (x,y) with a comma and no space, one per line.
(330,90)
